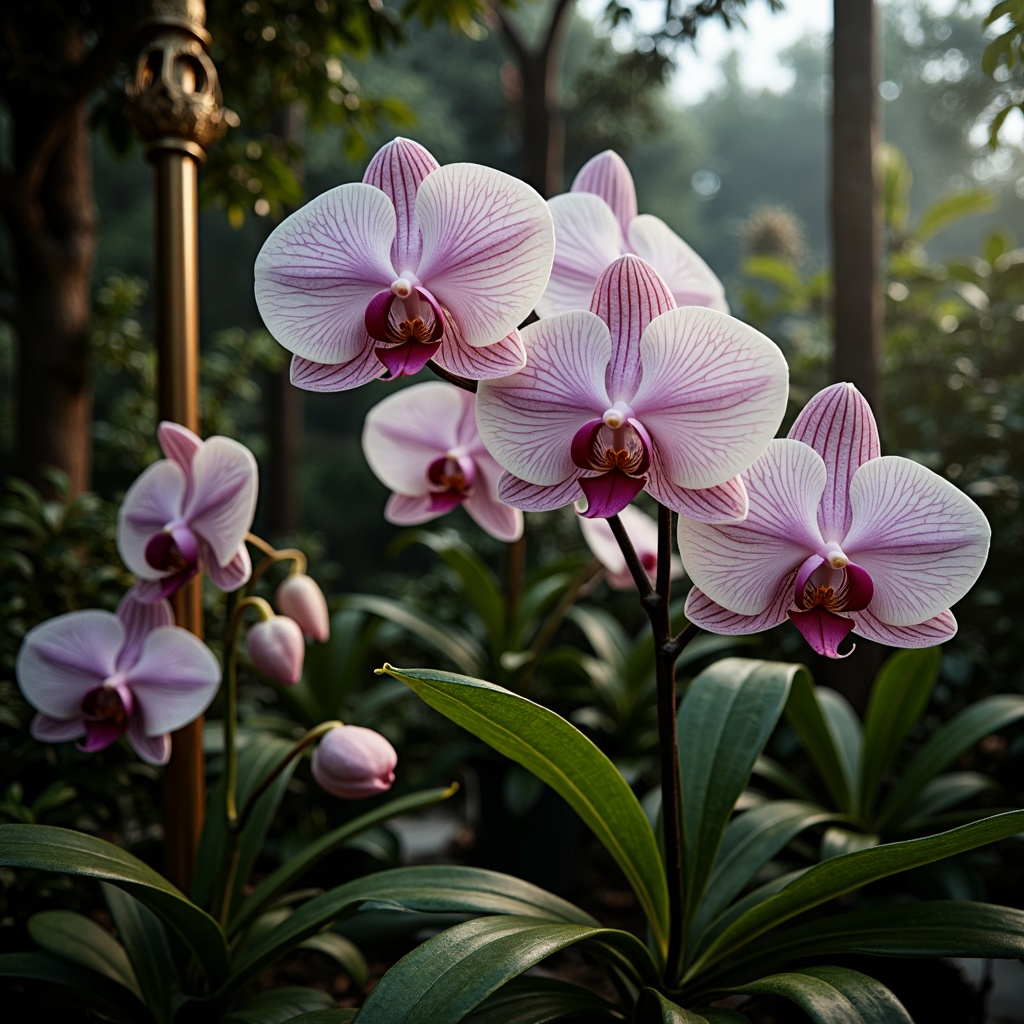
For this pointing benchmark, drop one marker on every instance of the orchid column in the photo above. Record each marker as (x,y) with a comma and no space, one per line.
(174,105)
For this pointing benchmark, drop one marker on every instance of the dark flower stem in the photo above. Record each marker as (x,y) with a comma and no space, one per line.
(453,378)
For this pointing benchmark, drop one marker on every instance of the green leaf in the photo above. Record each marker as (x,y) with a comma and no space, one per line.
(86,990)
(957,736)
(295,867)
(773,772)
(343,952)
(64,851)
(427,889)
(279,1005)
(450,974)
(560,755)
(725,720)
(847,735)
(651,1003)
(899,697)
(944,791)
(834,995)
(81,940)
(951,208)
(840,875)
(529,1000)
(806,715)
(340,1016)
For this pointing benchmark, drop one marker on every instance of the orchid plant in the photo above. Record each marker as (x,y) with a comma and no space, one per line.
(634,379)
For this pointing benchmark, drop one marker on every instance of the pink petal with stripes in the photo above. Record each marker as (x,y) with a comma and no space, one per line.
(838,424)
(587,239)
(313,376)
(936,630)
(152,749)
(539,497)
(724,503)
(627,297)
(527,421)
(230,576)
(691,280)
(498,360)
(155,499)
(606,175)
(178,443)
(488,242)
(923,541)
(710,615)
(740,566)
(139,617)
(320,268)
(56,730)
(397,169)
(410,509)
(713,394)
(501,521)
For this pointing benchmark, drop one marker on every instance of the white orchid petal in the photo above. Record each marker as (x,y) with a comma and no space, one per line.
(410,509)
(488,242)
(155,499)
(320,267)
(539,497)
(723,503)
(493,516)
(923,541)
(233,574)
(152,749)
(606,175)
(313,376)
(498,360)
(936,630)
(56,730)
(710,615)
(178,443)
(712,395)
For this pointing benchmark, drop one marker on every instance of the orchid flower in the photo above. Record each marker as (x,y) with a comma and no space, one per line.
(100,675)
(597,221)
(353,763)
(416,262)
(422,442)
(642,531)
(635,394)
(188,511)
(839,539)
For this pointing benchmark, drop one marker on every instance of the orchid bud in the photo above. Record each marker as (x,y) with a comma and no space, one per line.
(300,598)
(276,647)
(353,762)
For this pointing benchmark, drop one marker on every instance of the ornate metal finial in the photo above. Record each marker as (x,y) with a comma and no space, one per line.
(174,94)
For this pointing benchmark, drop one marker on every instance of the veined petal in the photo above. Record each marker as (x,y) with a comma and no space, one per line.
(56,730)
(410,509)
(823,630)
(233,574)
(321,266)
(62,659)
(488,242)
(313,376)
(923,541)
(504,357)
(539,497)
(490,513)
(139,618)
(691,280)
(408,430)
(628,295)
(740,566)
(527,420)
(222,501)
(710,615)
(606,175)
(838,424)
(397,170)
(152,749)
(712,395)
(155,499)
(174,680)
(178,443)
(936,630)
(587,239)
(721,504)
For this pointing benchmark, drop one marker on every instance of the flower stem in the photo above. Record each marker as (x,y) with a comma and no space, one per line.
(272,557)
(453,378)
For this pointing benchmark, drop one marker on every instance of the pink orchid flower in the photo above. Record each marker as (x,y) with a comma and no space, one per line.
(642,531)
(416,262)
(635,394)
(422,442)
(187,511)
(103,676)
(597,221)
(838,539)
(353,763)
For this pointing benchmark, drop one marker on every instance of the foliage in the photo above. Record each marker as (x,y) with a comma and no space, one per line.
(1003,59)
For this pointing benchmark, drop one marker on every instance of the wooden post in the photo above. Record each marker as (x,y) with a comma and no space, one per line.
(174,106)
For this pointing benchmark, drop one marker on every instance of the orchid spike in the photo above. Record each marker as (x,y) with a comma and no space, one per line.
(838,538)
(102,676)
(635,395)
(642,531)
(416,262)
(597,221)
(422,442)
(352,762)
(189,511)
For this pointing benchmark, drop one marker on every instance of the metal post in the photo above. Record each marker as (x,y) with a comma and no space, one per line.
(175,108)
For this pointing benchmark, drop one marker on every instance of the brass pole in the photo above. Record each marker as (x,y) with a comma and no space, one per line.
(174,106)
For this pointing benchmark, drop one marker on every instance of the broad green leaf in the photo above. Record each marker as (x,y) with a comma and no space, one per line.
(834,995)
(295,867)
(847,735)
(840,875)
(899,696)
(339,1016)
(427,889)
(278,1005)
(560,755)
(951,208)
(805,714)
(652,1003)
(529,1000)
(145,942)
(343,952)
(944,791)
(957,736)
(773,772)
(65,851)
(86,990)
(724,722)
(450,974)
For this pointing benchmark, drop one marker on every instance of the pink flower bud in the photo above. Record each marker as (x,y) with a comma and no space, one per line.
(301,599)
(353,762)
(276,647)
